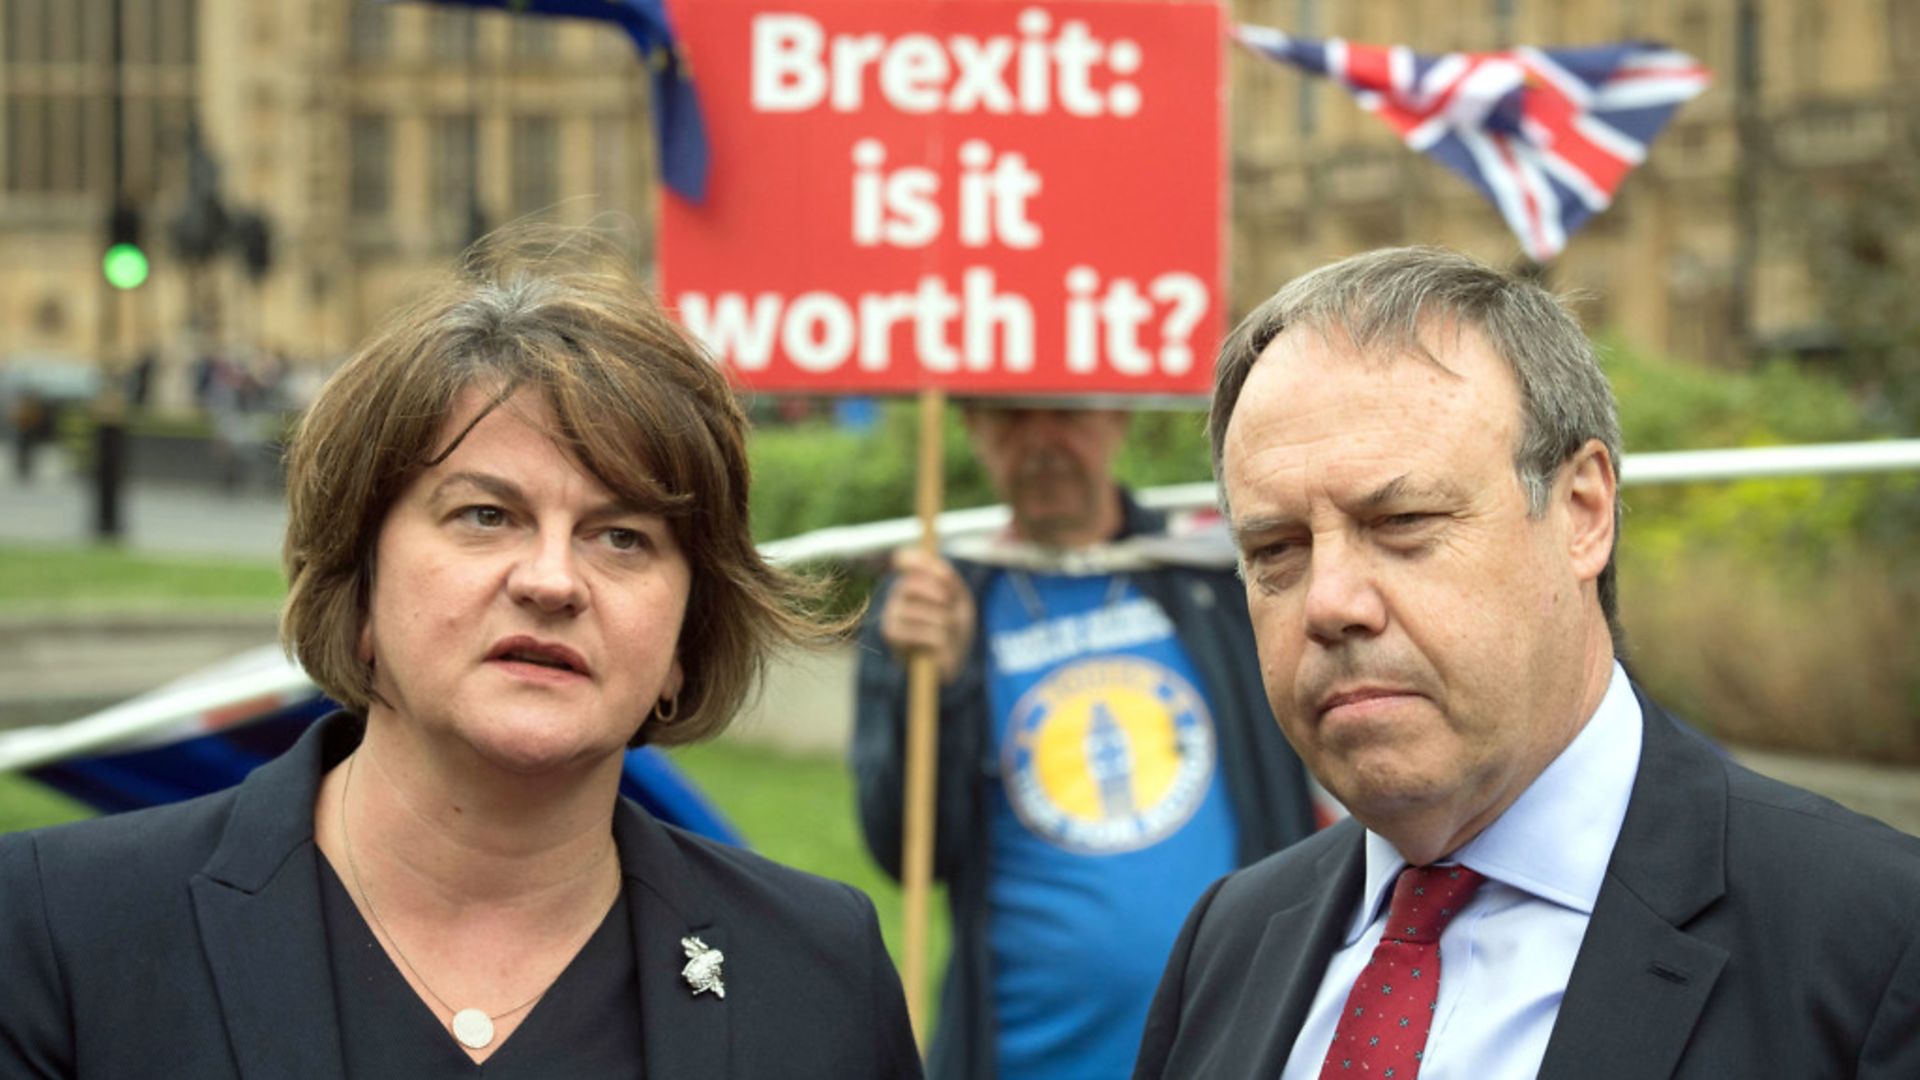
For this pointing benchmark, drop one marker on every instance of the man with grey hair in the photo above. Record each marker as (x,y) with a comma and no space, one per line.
(1543,874)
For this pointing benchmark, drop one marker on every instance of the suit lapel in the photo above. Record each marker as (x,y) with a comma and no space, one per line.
(684,1034)
(1636,992)
(1640,980)
(268,954)
(257,903)
(1293,953)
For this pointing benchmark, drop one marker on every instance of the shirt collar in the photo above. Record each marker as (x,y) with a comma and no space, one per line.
(1554,842)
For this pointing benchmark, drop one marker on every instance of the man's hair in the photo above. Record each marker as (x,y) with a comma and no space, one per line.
(1388,302)
(634,401)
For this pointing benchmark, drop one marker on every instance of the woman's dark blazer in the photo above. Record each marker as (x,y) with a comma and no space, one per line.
(187,941)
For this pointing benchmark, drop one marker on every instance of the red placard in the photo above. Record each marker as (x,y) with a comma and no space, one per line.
(979,195)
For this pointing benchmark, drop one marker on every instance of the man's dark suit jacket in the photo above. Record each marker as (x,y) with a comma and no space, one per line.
(187,941)
(1744,928)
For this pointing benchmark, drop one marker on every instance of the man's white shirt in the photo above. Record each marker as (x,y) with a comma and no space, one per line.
(1511,949)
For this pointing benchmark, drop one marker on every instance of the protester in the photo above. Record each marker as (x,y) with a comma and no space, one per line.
(236,402)
(1419,457)
(33,423)
(1104,749)
(518,544)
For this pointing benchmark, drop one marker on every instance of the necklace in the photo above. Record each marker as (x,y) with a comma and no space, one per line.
(473,1027)
(1037,608)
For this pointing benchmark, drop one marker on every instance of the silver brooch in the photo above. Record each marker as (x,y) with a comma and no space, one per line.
(703,967)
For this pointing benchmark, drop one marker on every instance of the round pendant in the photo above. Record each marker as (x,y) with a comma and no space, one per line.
(473,1028)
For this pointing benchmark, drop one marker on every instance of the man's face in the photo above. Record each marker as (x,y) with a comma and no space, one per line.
(1054,467)
(1424,642)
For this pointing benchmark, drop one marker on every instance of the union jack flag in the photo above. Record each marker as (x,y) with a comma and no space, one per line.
(1547,135)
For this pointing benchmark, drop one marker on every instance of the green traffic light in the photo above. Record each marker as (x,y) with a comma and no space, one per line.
(125,266)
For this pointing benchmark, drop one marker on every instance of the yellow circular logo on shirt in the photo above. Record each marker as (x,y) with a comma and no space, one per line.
(1108,755)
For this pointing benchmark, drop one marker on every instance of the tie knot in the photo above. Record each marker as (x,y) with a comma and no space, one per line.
(1425,900)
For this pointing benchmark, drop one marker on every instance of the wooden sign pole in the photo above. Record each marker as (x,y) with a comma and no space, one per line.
(923,706)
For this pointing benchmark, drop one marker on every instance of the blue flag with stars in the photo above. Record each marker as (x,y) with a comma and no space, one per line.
(678,128)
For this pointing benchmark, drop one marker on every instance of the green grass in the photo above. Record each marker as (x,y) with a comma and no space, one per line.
(27,805)
(54,579)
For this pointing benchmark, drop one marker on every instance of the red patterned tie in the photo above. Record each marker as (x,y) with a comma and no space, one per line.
(1382,1033)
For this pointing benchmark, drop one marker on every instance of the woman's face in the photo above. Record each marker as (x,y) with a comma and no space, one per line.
(521,612)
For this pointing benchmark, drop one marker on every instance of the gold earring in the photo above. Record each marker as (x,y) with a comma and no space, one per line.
(666,715)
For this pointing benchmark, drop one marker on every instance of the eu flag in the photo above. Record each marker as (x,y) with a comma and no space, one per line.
(1547,135)
(677,125)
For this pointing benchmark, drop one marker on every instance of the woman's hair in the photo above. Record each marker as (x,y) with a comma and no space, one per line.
(635,402)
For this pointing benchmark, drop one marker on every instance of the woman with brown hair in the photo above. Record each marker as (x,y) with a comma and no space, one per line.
(517,545)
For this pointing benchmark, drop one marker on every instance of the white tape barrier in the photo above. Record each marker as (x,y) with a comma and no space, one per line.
(252,684)
(876,537)
(207,699)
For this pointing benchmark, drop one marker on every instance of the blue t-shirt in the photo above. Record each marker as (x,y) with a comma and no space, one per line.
(1108,822)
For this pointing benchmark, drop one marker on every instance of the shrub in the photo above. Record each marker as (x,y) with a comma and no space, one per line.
(813,475)
(1825,664)
(1775,612)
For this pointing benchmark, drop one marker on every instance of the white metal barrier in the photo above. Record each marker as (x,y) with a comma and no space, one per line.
(1674,467)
